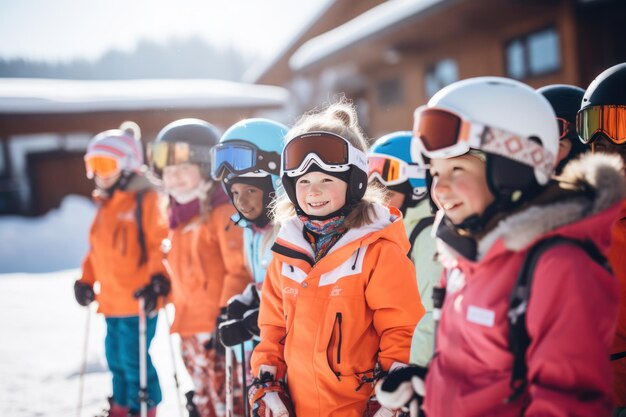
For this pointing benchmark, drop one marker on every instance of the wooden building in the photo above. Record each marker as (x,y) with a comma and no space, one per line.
(45,126)
(391,56)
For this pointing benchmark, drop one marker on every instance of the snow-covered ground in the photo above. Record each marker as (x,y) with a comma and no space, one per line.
(42,332)
(42,328)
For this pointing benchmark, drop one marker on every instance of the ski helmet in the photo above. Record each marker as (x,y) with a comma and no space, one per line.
(184,140)
(389,161)
(511,123)
(603,108)
(251,147)
(565,101)
(115,150)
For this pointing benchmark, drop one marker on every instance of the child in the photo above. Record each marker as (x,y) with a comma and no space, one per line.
(601,122)
(339,302)
(206,253)
(124,257)
(492,144)
(565,101)
(247,161)
(404,176)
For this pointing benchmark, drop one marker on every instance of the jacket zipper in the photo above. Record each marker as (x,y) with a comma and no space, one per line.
(338,318)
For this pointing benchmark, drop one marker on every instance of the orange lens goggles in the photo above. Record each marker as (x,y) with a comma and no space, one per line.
(609,120)
(387,169)
(102,166)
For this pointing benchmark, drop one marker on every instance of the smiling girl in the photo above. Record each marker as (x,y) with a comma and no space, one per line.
(339,302)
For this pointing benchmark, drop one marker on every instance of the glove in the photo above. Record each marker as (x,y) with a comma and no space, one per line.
(269,398)
(235,332)
(403,389)
(240,303)
(159,286)
(83,293)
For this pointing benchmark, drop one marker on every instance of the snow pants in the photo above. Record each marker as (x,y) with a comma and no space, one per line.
(122,352)
(207,369)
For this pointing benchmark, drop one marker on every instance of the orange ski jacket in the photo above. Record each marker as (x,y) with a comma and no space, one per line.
(327,325)
(114,256)
(206,260)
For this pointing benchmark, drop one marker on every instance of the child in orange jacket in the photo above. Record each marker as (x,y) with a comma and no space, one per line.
(206,255)
(126,260)
(339,302)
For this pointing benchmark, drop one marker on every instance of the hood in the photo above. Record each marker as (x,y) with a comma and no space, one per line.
(582,204)
(387,224)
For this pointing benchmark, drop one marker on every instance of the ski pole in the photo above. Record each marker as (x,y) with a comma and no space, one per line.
(244,383)
(229,382)
(83,366)
(169,338)
(143,370)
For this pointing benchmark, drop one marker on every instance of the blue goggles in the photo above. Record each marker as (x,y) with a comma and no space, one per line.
(237,157)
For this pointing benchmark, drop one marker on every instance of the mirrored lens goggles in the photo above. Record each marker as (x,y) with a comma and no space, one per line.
(392,171)
(240,157)
(330,151)
(102,166)
(162,154)
(443,134)
(609,120)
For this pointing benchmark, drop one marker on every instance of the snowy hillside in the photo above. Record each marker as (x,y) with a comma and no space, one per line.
(41,351)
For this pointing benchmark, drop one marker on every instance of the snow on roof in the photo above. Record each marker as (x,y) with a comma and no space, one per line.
(370,23)
(32,95)
(254,73)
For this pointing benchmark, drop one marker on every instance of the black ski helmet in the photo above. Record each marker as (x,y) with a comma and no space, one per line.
(608,88)
(565,101)
(195,132)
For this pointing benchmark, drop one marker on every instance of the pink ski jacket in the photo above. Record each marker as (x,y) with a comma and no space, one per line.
(571,314)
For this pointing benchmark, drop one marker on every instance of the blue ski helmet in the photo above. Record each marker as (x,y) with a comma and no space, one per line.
(398,145)
(250,147)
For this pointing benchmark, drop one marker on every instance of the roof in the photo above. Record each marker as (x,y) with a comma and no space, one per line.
(256,72)
(31,95)
(368,24)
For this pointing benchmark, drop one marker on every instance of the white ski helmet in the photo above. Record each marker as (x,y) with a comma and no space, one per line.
(123,145)
(513,124)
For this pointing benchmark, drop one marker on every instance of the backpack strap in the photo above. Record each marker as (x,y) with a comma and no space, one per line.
(518,333)
(143,257)
(419,227)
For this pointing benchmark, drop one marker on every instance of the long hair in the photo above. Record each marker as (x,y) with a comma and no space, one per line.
(341,119)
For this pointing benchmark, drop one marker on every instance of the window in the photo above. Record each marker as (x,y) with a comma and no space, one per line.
(533,54)
(390,92)
(439,75)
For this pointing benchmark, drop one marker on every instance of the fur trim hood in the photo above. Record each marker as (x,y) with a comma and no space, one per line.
(587,187)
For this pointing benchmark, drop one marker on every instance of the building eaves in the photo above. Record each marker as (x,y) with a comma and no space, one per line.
(362,27)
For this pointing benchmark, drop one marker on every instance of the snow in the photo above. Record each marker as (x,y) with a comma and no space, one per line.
(43,330)
(26,95)
(56,241)
(368,24)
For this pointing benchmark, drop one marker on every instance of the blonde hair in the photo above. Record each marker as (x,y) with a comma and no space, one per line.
(341,119)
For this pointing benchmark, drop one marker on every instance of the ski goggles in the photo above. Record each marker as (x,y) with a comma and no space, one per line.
(331,152)
(565,127)
(102,166)
(392,171)
(442,134)
(610,120)
(163,154)
(237,157)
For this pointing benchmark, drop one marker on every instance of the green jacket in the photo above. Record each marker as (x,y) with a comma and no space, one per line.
(428,273)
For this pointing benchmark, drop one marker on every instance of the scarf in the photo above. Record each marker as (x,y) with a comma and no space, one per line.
(183,213)
(323,234)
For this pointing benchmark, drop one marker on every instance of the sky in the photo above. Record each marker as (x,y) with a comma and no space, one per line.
(62,30)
